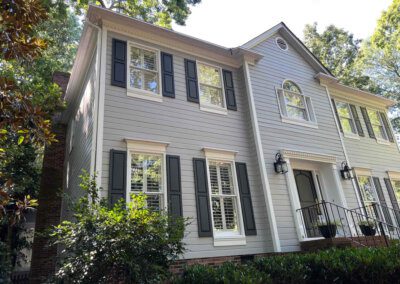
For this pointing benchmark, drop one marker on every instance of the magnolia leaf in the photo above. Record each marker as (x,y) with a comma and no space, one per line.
(20,140)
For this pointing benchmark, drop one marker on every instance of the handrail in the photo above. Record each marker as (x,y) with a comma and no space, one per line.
(348,223)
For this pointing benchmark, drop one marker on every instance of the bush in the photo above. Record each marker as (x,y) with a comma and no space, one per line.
(5,264)
(126,243)
(363,265)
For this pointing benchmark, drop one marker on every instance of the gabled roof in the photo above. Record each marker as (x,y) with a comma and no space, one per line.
(294,41)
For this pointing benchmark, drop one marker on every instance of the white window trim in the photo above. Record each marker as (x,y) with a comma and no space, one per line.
(295,121)
(226,238)
(137,146)
(139,93)
(393,175)
(210,107)
(378,139)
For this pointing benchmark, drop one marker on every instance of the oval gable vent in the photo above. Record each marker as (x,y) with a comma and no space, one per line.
(281,43)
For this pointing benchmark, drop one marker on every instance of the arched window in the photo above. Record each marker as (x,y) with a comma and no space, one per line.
(293,104)
(291,86)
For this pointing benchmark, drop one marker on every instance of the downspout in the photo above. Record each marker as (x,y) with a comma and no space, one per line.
(261,161)
(346,157)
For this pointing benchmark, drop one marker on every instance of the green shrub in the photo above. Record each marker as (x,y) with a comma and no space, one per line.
(363,265)
(5,264)
(125,244)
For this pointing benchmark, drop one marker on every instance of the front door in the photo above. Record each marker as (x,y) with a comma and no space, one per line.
(308,198)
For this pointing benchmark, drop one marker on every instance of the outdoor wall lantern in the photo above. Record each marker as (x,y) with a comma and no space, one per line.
(280,165)
(346,172)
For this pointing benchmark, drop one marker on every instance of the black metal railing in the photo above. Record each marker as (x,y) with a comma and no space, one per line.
(364,226)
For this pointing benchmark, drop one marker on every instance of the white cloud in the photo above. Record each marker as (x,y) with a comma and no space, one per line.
(233,22)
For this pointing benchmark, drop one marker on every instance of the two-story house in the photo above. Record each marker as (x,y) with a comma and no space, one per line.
(197,127)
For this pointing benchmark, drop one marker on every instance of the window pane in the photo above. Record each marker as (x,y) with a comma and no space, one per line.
(151,81)
(373,116)
(347,125)
(230,213)
(135,57)
(294,100)
(291,86)
(211,95)
(146,173)
(343,110)
(379,132)
(217,213)
(149,60)
(367,190)
(396,188)
(135,78)
(154,202)
(209,75)
(296,112)
(214,179)
(153,173)
(226,179)
(136,173)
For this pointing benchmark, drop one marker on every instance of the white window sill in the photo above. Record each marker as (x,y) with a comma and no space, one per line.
(300,122)
(220,241)
(223,111)
(382,141)
(144,95)
(351,136)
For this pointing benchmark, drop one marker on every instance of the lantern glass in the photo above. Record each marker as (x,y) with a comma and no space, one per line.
(278,167)
(284,167)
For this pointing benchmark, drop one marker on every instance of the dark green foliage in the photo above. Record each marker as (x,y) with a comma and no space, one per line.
(5,267)
(365,265)
(128,242)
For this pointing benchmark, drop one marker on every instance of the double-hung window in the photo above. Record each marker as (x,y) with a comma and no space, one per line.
(293,105)
(346,118)
(147,177)
(210,86)
(143,70)
(377,125)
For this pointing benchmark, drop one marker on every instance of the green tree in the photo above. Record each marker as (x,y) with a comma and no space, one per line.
(128,242)
(338,50)
(381,53)
(159,12)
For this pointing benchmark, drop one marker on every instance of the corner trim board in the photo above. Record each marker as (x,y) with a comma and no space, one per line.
(261,161)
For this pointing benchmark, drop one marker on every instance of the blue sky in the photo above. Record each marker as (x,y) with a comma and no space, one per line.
(233,22)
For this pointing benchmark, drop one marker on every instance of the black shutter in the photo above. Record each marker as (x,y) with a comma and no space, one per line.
(382,201)
(202,201)
(367,122)
(337,115)
(192,89)
(357,120)
(174,189)
(118,64)
(117,184)
(387,126)
(229,90)
(167,67)
(393,199)
(245,200)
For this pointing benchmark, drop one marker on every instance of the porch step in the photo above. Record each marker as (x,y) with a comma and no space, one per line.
(341,242)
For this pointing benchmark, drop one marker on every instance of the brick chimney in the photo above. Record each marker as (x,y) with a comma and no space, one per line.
(48,213)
